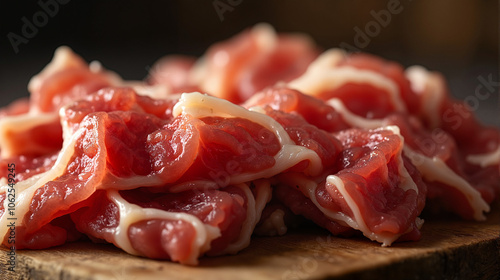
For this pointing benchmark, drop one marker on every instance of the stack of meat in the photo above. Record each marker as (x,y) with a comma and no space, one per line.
(261,130)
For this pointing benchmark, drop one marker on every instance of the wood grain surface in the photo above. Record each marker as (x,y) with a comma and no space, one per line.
(449,249)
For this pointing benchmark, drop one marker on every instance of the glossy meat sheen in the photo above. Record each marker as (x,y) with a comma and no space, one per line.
(33,127)
(370,171)
(389,69)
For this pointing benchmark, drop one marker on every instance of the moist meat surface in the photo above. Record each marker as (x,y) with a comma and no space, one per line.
(260,131)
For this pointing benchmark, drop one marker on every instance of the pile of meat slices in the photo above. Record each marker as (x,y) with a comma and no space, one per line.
(261,130)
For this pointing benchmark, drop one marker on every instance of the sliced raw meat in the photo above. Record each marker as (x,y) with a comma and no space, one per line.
(478,155)
(365,92)
(238,68)
(174,72)
(38,131)
(438,159)
(306,135)
(453,116)
(66,78)
(434,153)
(180,176)
(388,69)
(26,166)
(276,219)
(377,188)
(120,150)
(116,99)
(313,110)
(30,135)
(441,163)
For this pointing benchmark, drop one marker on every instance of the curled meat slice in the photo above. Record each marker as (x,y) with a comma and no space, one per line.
(37,131)
(256,58)
(67,77)
(457,119)
(177,226)
(453,185)
(315,111)
(116,99)
(373,189)
(371,91)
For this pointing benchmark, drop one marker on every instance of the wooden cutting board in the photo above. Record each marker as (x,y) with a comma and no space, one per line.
(449,249)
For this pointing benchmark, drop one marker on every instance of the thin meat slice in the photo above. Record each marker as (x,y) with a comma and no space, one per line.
(223,143)
(217,72)
(175,72)
(377,188)
(177,226)
(30,135)
(52,194)
(313,110)
(306,135)
(27,166)
(105,100)
(288,192)
(268,137)
(17,107)
(117,99)
(117,151)
(37,131)
(454,117)
(480,154)
(254,59)
(365,92)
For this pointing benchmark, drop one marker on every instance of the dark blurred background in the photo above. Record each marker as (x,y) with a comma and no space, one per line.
(459,38)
